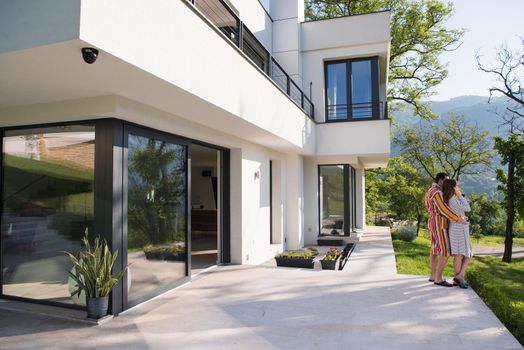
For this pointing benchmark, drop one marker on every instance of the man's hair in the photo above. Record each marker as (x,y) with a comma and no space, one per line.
(440,176)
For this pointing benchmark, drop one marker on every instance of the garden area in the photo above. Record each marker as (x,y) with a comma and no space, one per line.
(499,284)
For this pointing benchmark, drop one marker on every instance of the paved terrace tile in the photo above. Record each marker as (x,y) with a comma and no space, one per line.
(366,306)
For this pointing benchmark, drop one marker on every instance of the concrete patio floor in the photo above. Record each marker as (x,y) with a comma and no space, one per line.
(366,306)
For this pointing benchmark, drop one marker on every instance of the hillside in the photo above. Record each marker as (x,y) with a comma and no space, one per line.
(476,109)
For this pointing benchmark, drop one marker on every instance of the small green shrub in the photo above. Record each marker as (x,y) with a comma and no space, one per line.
(511,313)
(308,253)
(405,231)
(165,249)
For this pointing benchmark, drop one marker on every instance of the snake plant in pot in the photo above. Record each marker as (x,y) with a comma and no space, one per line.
(93,273)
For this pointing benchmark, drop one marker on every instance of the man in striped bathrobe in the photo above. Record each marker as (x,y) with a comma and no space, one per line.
(439,214)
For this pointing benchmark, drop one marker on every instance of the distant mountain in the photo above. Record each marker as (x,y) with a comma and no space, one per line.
(475,109)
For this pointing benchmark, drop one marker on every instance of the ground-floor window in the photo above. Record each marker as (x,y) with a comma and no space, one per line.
(127,183)
(337,199)
(48,204)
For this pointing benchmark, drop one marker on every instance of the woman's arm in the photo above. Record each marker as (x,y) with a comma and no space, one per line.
(464,203)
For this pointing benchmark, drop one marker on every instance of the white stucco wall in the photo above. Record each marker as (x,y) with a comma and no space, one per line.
(29,23)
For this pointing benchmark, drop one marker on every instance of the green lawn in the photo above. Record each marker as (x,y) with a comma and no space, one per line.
(484,240)
(499,284)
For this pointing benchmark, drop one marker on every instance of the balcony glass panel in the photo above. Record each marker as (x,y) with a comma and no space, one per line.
(361,90)
(337,91)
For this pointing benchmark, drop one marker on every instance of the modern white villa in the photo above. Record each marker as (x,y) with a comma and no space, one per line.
(187,133)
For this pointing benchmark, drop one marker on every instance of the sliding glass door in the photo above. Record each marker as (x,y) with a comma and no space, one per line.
(337,199)
(157,213)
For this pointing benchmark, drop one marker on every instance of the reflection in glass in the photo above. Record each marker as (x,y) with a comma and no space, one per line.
(337,91)
(47,206)
(332,199)
(361,91)
(156,214)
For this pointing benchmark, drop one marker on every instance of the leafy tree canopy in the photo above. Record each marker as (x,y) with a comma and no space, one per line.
(512,148)
(453,146)
(418,38)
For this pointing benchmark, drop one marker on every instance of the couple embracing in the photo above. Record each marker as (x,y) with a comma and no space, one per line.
(449,230)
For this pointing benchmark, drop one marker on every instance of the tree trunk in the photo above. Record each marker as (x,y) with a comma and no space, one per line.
(419,219)
(510,210)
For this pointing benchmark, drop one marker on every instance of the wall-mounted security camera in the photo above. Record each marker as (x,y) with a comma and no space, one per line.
(89,55)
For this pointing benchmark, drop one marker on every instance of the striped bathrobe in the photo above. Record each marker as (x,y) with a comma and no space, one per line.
(459,233)
(439,213)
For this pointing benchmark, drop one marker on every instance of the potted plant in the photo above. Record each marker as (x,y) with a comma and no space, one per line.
(330,260)
(169,252)
(297,258)
(93,273)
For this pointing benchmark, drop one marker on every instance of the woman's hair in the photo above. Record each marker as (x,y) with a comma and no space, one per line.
(448,189)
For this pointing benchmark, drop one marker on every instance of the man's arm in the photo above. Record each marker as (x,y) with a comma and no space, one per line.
(444,209)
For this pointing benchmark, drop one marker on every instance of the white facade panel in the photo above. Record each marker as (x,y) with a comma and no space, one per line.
(29,23)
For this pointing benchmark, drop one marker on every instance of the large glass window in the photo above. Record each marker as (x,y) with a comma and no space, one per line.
(157,214)
(48,204)
(352,89)
(361,90)
(337,199)
(337,103)
(332,209)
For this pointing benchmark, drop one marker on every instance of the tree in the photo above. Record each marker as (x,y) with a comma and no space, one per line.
(418,38)
(509,73)
(512,152)
(404,188)
(399,189)
(486,215)
(453,146)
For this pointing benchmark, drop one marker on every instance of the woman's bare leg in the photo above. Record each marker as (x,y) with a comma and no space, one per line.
(465,263)
(457,264)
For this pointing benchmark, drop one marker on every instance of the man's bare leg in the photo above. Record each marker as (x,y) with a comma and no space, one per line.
(442,261)
(433,261)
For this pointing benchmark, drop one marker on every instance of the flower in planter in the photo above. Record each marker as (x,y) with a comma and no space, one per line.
(333,254)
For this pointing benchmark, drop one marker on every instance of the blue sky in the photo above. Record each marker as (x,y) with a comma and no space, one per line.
(489,24)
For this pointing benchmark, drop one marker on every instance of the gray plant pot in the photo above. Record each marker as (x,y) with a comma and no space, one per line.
(97,307)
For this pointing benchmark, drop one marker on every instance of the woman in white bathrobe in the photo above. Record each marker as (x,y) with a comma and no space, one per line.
(459,241)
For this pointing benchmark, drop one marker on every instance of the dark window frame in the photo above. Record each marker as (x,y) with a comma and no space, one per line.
(374,89)
(93,122)
(109,197)
(349,189)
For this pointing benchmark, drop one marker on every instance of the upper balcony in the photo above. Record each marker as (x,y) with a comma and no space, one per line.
(229,23)
(346,62)
(164,54)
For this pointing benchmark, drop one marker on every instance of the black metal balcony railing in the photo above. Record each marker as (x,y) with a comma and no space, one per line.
(357,111)
(219,13)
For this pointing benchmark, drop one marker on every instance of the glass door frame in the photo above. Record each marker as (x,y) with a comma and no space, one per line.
(349,197)
(129,129)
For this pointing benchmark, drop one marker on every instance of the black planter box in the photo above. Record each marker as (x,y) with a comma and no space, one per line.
(165,256)
(330,242)
(294,262)
(329,264)
(345,255)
